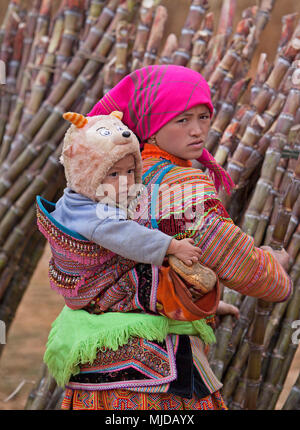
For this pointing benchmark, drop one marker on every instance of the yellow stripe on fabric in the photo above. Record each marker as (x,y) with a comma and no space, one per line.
(113,102)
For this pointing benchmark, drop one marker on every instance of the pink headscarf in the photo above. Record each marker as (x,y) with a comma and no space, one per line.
(150,97)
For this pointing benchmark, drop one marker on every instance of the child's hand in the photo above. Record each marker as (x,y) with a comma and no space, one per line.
(184,250)
(227,309)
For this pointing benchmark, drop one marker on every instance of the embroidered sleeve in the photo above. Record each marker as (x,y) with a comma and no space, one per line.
(239,264)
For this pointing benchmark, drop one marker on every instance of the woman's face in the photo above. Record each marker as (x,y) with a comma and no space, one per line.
(185,135)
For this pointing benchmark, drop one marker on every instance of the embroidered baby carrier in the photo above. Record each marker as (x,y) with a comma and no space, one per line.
(80,270)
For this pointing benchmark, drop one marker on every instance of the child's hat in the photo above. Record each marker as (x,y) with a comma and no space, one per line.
(92,145)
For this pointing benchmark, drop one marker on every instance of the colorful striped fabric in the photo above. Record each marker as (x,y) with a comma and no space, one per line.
(226,248)
(128,400)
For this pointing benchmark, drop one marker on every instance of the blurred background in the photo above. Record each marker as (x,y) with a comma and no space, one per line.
(22,358)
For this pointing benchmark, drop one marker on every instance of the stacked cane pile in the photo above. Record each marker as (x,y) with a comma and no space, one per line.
(67,61)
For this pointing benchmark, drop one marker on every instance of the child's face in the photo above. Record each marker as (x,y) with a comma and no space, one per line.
(120,178)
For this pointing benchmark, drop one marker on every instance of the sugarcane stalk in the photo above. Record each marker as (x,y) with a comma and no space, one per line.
(256,343)
(238,400)
(156,35)
(195,15)
(223,336)
(7,56)
(41,82)
(232,55)
(15,63)
(217,45)
(146,16)
(44,391)
(234,372)
(41,30)
(122,39)
(13,8)
(263,69)
(9,96)
(233,133)
(238,349)
(94,12)
(241,326)
(288,28)
(227,143)
(73,14)
(56,400)
(200,42)
(6,50)
(31,23)
(225,114)
(168,50)
(262,18)
(293,400)
(284,211)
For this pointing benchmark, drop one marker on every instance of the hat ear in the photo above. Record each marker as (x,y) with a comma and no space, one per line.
(75,118)
(117,114)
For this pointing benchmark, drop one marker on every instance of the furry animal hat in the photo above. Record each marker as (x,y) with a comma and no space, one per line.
(91,148)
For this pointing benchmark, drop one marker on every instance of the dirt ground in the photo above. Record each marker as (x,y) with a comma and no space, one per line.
(25,344)
(22,357)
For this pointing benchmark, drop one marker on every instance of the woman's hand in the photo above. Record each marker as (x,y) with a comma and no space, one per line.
(184,250)
(281,256)
(227,309)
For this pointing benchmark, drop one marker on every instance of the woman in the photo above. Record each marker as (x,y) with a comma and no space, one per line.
(169,108)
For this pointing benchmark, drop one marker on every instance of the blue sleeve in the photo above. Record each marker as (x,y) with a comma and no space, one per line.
(131,240)
(108,227)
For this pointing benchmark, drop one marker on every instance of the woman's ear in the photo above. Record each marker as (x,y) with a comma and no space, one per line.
(152,140)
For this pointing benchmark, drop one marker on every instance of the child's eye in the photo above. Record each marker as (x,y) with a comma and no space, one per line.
(130,171)
(104,131)
(113,174)
(205,117)
(182,120)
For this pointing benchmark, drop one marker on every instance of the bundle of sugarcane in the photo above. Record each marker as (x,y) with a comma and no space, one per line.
(68,60)
(34,130)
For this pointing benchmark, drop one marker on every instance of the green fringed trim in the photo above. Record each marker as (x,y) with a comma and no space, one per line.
(199,328)
(76,336)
